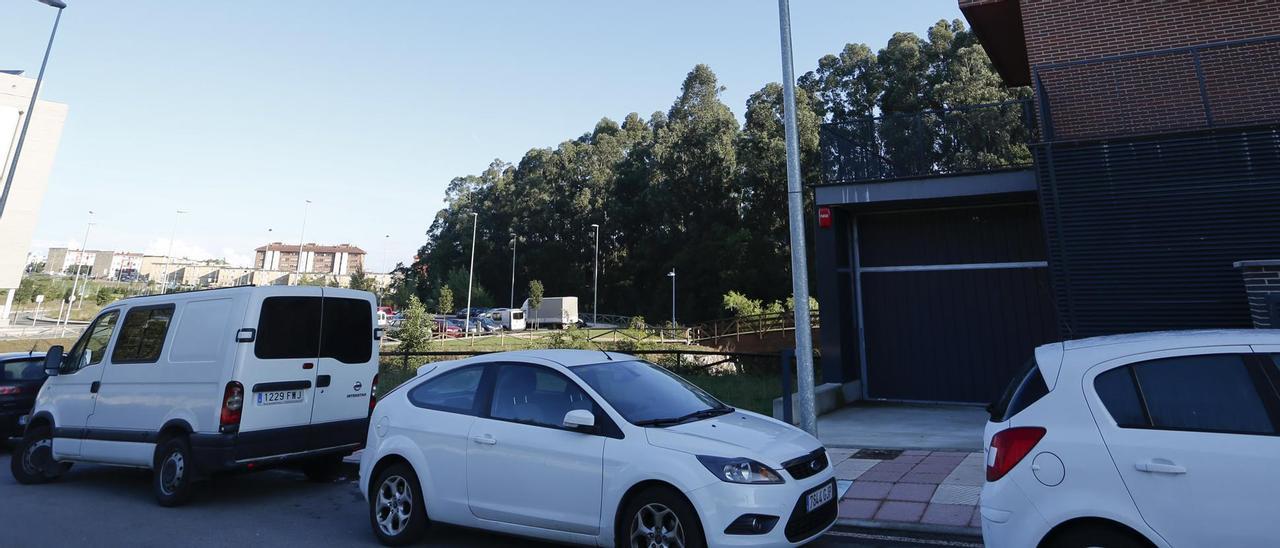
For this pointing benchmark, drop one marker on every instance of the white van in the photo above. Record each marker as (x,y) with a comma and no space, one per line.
(187,384)
(511,319)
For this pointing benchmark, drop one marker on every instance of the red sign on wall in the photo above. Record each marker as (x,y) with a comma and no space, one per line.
(824,217)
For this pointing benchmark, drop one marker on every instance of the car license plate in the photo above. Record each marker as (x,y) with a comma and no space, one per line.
(818,498)
(279,396)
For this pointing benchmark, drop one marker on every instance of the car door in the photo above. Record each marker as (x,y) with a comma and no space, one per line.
(278,371)
(73,393)
(444,408)
(523,466)
(344,370)
(1193,434)
(133,397)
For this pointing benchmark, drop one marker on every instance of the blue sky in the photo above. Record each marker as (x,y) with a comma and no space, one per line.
(238,111)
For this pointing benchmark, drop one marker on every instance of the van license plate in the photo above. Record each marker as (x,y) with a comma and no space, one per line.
(280,396)
(819,497)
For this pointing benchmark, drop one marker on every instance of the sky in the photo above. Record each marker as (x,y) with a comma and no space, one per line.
(237,112)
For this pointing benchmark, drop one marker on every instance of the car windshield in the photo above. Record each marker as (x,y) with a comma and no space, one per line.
(648,395)
(22,370)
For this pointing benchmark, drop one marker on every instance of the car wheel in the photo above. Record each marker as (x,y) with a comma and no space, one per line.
(659,517)
(172,472)
(323,469)
(397,511)
(1099,536)
(32,461)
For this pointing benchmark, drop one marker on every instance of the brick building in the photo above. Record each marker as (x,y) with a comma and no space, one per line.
(1154,133)
(341,260)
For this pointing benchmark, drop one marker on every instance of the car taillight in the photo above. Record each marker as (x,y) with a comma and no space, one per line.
(373,394)
(232,405)
(10,390)
(1009,447)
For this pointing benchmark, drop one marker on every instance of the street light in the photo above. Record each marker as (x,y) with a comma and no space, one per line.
(31,108)
(168,256)
(76,280)
(512,304)
(302,237)
(595,280)
(672,275)
(466,322)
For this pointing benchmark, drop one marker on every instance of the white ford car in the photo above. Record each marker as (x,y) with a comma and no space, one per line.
(587,447)
(1158,439)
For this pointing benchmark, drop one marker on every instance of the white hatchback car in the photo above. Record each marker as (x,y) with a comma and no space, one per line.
(592,448)
(1164,439)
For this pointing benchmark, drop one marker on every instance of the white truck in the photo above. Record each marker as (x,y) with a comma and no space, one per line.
(554,311)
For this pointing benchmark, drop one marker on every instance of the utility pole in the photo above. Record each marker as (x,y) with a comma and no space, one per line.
(168,256)
(672,275)
(75,281)
(471,272)
(795,217)
(512,304)
(595,280)
(302,237)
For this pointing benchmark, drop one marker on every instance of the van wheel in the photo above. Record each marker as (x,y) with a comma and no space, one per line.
(32,461)
(322,469)
(172,472)
(397,510)
(659,516)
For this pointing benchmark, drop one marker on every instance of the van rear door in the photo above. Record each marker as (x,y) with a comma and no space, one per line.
(348,361)
(278,371)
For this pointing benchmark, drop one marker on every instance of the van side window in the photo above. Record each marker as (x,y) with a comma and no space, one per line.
(288,328)
(347,334)
(91,347)
(142,334)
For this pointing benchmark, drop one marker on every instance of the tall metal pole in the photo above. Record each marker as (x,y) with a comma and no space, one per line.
(31,110)
(672,275)
(466,323)
(76,280)
(512,305)
(795,215)
(168,256)
(595,281)
(302,237)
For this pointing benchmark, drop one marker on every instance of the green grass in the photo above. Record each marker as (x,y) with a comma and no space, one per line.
(750,392)
(40,345)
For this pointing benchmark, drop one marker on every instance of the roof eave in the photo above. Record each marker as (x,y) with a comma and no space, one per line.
(998,26)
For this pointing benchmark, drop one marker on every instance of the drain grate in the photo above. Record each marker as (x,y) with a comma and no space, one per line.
(877,454)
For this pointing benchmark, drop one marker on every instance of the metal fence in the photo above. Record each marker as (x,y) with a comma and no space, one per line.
(965,139)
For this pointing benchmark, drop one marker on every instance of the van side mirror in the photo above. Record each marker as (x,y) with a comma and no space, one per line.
(53,360)
(580,419)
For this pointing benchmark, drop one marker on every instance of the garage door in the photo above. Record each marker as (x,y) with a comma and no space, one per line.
(953,300)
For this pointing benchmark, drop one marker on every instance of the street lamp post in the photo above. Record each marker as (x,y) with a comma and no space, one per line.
(672,275)
(512,304)
(76,281)
(168,256)
(795,217)
(302,237)
(466,322)
(31,107)
(595,280)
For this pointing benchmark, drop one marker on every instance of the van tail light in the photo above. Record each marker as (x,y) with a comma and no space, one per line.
(1009,447)
(373,394)
(232,405)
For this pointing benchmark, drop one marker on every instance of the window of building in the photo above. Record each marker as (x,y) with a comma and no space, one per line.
(142,334)
(289,328)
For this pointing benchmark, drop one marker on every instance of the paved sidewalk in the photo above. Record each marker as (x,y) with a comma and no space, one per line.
(930,488)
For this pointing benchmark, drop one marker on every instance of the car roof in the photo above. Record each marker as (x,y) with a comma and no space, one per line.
(567,358)
(6,356)
(1079,355)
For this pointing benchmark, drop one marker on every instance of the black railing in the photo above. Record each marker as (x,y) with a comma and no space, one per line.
(1189,88)
(969,139)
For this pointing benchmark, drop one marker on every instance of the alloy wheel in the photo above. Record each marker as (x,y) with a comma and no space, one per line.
(656,526)
(394,505)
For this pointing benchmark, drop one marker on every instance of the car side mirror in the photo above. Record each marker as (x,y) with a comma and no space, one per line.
(53,360)
(580,419)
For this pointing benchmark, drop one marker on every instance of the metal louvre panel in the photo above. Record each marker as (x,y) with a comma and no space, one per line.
(1142,232)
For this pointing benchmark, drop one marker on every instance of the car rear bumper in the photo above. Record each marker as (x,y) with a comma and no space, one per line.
(1008,517)
(721,503)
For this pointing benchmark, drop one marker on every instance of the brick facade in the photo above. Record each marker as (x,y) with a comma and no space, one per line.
(1261,284)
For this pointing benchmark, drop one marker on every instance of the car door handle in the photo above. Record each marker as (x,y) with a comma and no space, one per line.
(93,388)
(1160,466)
(484,440)
(323,381)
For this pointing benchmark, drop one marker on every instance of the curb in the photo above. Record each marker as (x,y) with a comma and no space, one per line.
(906,527)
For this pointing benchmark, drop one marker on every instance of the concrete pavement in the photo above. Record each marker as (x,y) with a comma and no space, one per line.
(904,426)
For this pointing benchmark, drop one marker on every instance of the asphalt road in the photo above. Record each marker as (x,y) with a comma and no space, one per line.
(107,506)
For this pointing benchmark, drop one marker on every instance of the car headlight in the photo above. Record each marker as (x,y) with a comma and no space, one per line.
(739,470)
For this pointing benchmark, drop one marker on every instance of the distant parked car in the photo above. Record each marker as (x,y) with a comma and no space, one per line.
(21,376)
(446,327)
(1165,439)
(588,447)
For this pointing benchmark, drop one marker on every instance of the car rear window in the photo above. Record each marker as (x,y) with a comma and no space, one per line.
(1024,390)
(347,335)
(22,370)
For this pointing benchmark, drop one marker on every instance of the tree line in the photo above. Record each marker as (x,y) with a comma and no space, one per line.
(692,189)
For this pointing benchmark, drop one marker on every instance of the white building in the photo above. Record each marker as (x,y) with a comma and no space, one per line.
(18,221)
